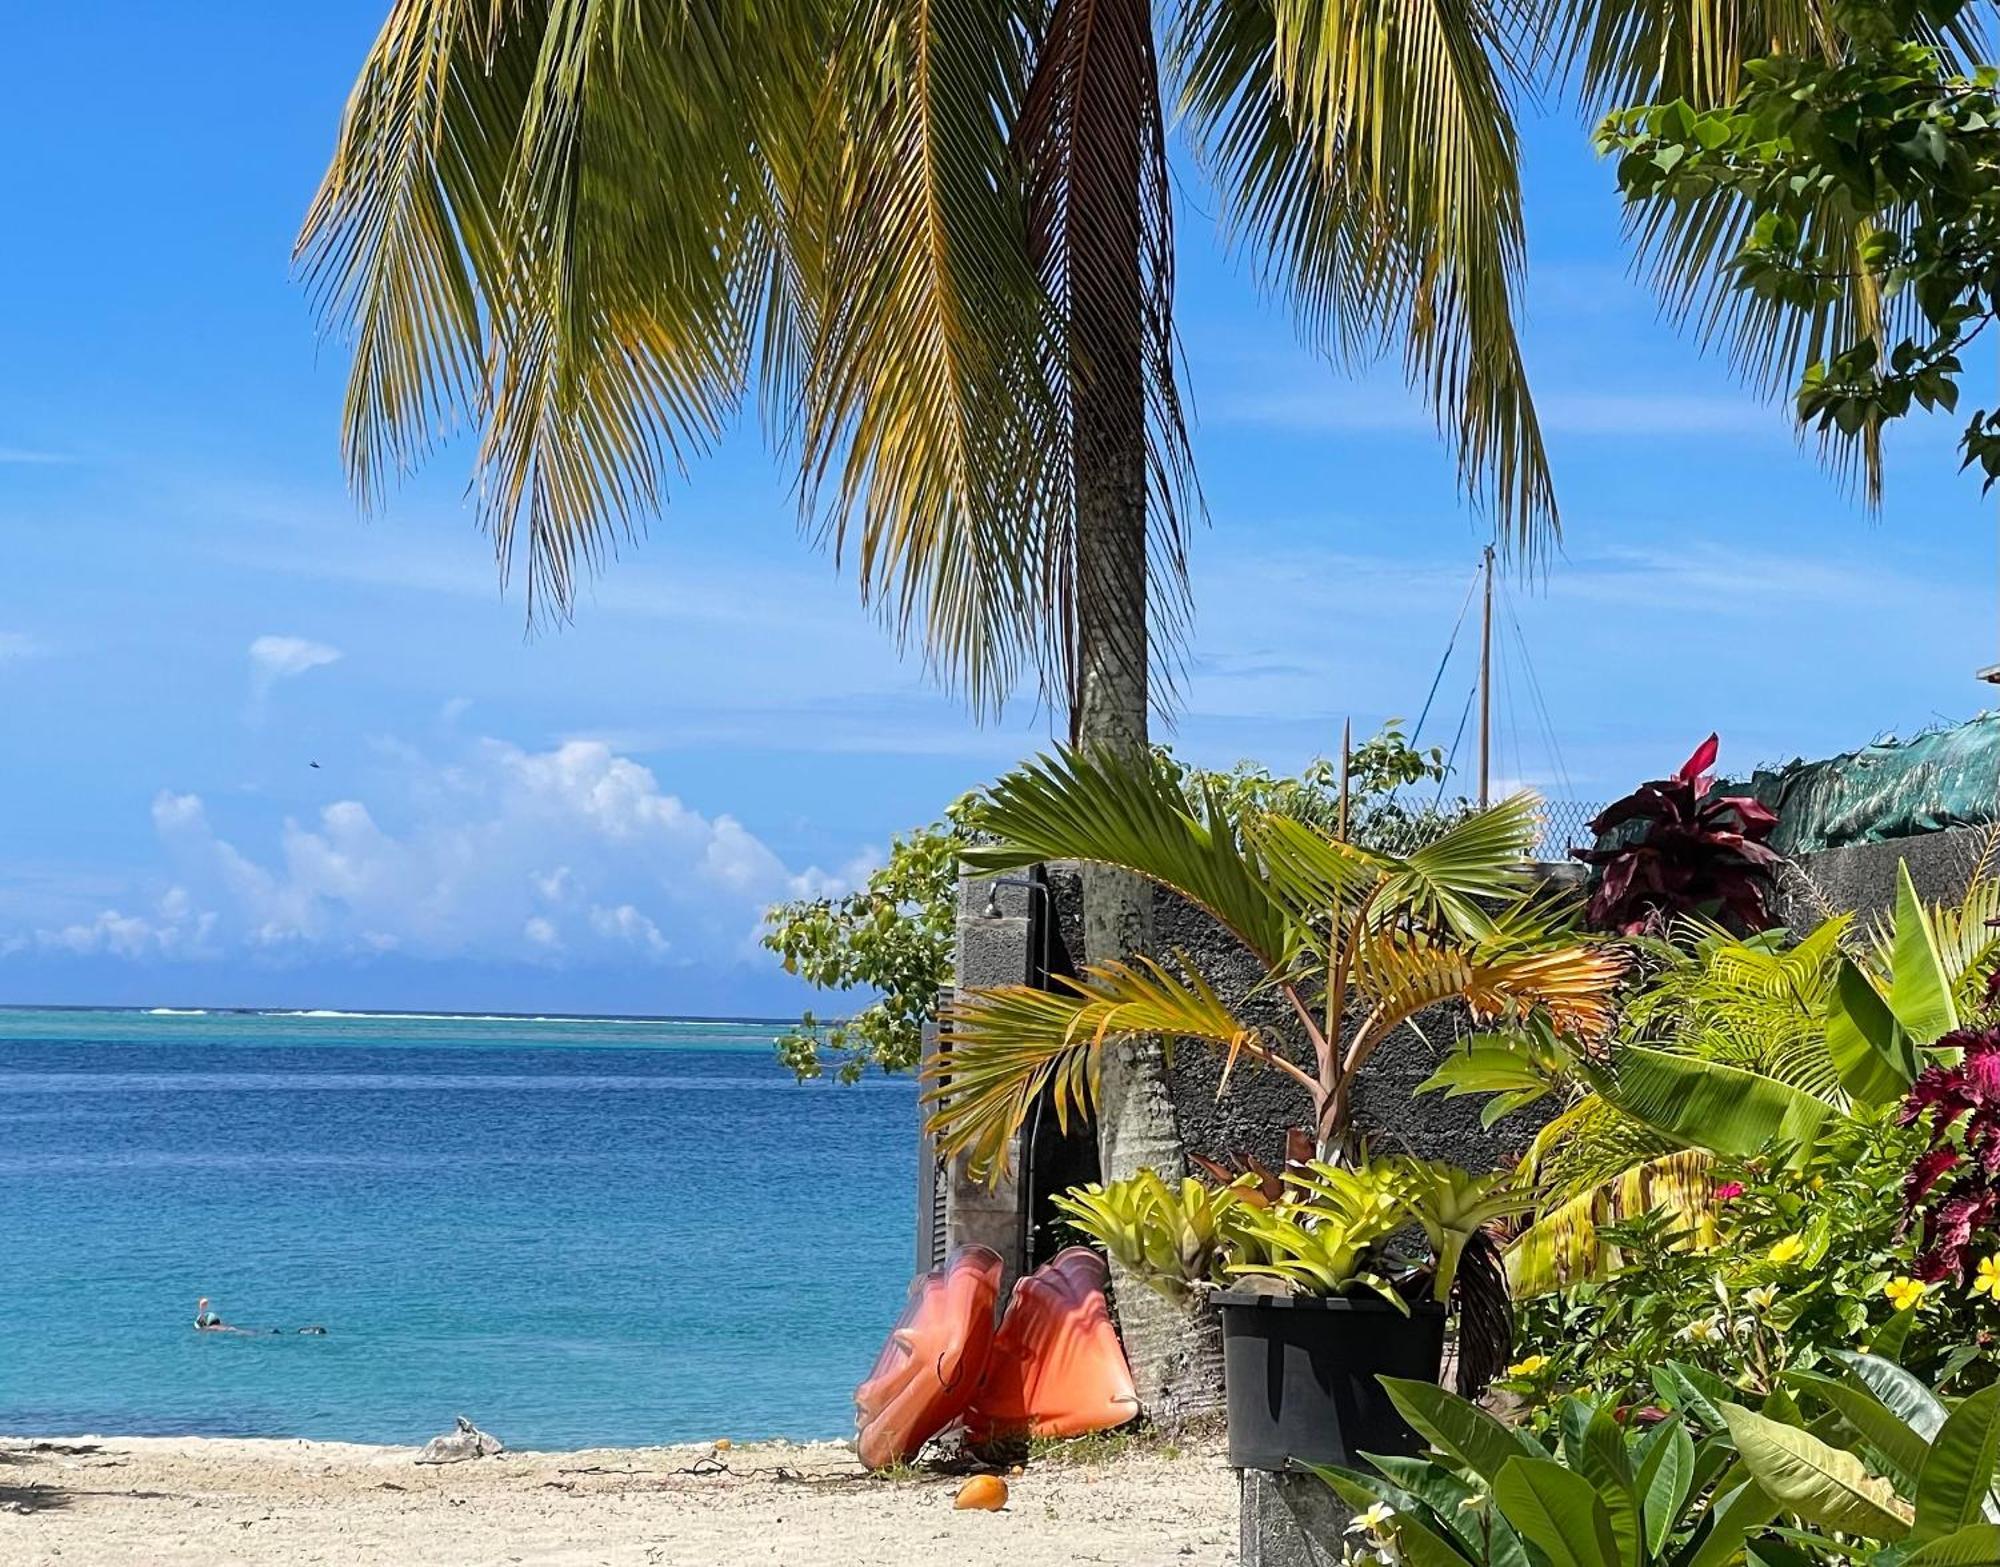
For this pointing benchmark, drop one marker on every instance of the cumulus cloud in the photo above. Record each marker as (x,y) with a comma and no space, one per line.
(281,658)
(573,855)
(175,928)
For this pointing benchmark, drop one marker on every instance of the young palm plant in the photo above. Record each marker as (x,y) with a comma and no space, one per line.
(1358,942)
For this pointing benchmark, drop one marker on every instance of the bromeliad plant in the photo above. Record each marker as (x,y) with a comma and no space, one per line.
(1333,1230)
(1679,848)
(1884,1472)
(1359,942)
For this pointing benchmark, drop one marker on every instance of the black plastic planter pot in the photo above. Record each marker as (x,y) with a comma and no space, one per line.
(1301,1374)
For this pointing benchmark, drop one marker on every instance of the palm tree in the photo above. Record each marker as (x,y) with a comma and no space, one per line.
(937,237)
(1357,942)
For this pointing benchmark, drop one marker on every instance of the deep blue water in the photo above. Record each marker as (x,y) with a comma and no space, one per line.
(573,1231)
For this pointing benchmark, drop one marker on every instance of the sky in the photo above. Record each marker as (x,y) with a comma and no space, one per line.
(193,612)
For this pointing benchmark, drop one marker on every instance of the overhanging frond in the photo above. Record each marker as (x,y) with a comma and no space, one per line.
(1366,158)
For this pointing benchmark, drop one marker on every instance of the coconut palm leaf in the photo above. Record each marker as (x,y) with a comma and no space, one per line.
(1367,162)
(1134,812)
(1003,1048)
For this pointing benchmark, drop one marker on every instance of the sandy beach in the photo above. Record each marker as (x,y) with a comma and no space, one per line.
(163,1502)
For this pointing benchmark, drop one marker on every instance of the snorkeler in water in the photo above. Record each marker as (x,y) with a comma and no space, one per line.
(209,1321)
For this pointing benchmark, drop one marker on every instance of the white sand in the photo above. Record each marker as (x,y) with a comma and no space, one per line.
(164,1502)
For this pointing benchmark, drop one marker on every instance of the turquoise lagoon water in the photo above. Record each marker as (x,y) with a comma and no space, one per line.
(573,1231)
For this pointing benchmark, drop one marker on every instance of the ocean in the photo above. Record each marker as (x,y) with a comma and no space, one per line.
(574,1231)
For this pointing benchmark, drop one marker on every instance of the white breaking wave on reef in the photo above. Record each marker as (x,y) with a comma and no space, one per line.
(176,1012)
(467,1017)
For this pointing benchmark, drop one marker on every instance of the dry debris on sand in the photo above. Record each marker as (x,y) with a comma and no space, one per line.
(195,1502)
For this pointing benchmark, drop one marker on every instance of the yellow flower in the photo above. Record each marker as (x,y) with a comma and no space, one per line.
(1374,1521)
(1988,1282)
(1529,1367)
(1903,1292)
(1790,1249)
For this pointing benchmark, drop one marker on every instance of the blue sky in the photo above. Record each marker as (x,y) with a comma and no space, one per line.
(591,819)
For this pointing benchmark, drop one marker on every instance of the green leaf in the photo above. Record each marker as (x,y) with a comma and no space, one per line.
(1919,989)
(1916,1405)
(1821,1484)
(1952,1489)
(1458,1428)
(1707,1105)
(1885,1430)
(1977,1545)
(1557,1511)
(1487,1536)
(1421,1545)
(1665,1477)
(1693,1390)
(1601,1460)
(1734,1514)
(1870,1050)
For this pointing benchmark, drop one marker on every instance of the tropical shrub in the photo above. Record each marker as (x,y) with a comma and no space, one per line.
(1173,1238)
(1958,1096)
(1733,1049)
(1884,1472)
(1359,941)
(893,937)
(1792,1262)
(1678,848)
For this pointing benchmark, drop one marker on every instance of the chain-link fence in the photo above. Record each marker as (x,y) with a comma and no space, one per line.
(1566,826)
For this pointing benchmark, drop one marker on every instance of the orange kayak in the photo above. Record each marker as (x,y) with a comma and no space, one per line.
(1057,1368)
(934,1360)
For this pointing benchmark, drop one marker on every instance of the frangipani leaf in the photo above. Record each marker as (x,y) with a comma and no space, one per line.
(1821,1484)
(1955,1485)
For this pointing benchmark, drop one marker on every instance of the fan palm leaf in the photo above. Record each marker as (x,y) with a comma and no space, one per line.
(1133,812)
(1003,1048)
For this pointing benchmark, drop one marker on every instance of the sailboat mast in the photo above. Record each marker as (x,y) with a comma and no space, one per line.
(1486,688)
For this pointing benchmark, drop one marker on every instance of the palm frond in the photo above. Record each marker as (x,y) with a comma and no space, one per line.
(1477,861)
(1399,974)
(1003,1048)
(1367,158)
(928,438)
(1133,812)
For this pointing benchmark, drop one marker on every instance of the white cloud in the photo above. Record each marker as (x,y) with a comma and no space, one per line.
(570,855)
(281,658)
(175,929)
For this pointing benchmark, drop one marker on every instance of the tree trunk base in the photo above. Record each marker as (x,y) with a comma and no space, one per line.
(1175,1350)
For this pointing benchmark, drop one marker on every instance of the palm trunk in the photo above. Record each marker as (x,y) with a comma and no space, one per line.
(1174,1349)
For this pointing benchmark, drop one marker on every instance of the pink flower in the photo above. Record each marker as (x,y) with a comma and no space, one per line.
(1729,1191)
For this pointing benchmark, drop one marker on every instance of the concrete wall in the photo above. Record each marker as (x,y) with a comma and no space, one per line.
(1862,877)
